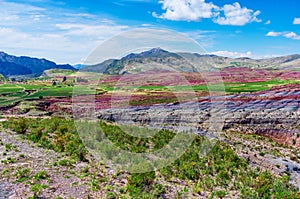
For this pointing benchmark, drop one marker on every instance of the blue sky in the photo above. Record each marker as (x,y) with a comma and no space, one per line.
(67,31)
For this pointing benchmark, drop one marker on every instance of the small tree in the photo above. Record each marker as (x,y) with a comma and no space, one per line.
(64,79)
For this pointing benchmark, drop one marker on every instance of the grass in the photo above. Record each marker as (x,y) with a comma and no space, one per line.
(237,87)
(23,174)
(53,92)
(41,175)
(230,87)
(11,93)
(9,88)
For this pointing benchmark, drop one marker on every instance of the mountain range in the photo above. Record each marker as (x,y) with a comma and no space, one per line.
(15,66)
(154,59)
(161,59)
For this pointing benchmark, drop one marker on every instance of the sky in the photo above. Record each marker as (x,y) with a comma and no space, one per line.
(67,31)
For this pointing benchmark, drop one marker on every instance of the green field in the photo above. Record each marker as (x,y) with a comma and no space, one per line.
(11,93)
(230,87)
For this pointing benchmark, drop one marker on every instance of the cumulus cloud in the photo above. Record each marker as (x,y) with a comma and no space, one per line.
(186,10)
(292,35)
(289,35)
(236,15)
(273,34)
(296,21)
(195,10)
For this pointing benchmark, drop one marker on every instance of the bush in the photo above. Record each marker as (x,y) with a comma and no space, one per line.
(23,174)
(140,183)
(41,175)
(19,125)
(55,133)
(221,193)
(37,189)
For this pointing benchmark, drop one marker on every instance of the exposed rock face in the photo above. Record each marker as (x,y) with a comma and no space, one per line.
(273,113)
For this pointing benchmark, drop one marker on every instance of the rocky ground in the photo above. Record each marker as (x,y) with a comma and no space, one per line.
(21,161)
(28,171)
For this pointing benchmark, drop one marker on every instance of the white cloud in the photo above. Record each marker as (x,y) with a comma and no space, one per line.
(292,35)
(83,30)
(39,32)
(296,21)
(71,45)
(268,22)
(58,47)
(186,10)
(236,15)
(10,17)
(18,7)
(146,25)
(289,35)
(226,53)
(273,34)
(26,41)
(17,14)
(80,15)
(195,10)
(248,54)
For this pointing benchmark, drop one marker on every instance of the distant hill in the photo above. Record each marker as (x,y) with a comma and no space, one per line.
(154,59)
(14,66)
(160,59)
(283,62)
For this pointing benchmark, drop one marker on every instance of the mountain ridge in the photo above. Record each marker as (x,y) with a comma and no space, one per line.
(155,58)
(11,65)
(158,58)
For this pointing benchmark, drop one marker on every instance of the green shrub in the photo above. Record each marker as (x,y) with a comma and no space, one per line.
(221,193)
(19,125)
(64,162)
(139,183)
(41,175)
(8,147)
(23,174)
(37,189)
